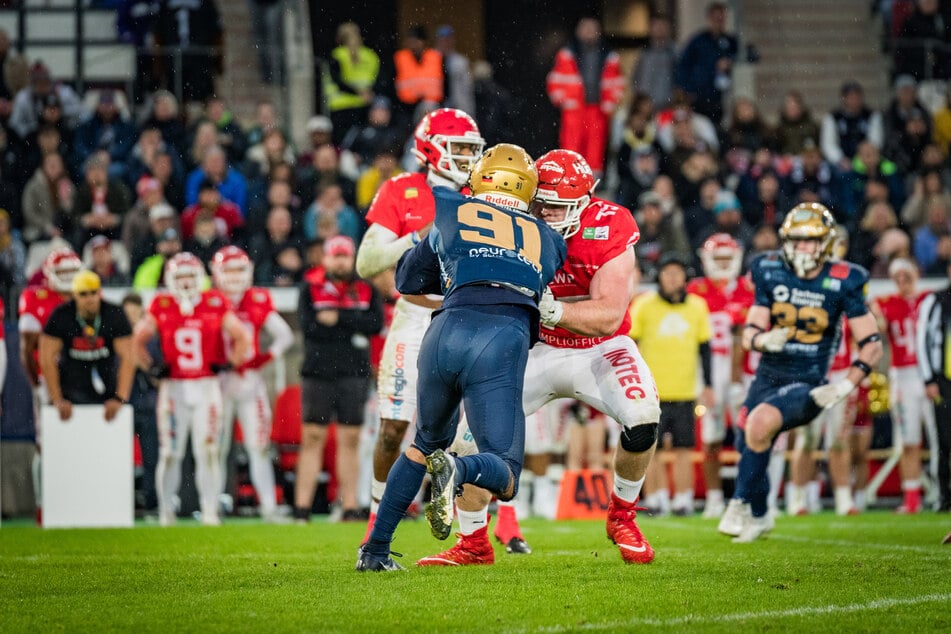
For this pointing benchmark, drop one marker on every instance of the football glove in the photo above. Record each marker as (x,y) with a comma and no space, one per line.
(828,395)
(773,340)
(550,309)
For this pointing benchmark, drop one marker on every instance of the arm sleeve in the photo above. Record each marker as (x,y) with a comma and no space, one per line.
(417,272)
(856,300)
(282,337)
(380,249)
(705,364)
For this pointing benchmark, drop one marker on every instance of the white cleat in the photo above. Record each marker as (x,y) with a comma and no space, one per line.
(210,519)
(442,471)
(731,523)
(753,529)
(713,511)
(167,518)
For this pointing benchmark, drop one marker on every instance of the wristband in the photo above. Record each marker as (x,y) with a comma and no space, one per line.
(861,365)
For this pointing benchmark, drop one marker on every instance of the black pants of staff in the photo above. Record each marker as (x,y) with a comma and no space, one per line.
(942,411)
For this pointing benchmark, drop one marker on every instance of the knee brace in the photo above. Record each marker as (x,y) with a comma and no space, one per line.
(639,439)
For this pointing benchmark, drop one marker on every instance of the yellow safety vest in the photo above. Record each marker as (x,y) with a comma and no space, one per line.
(360,75)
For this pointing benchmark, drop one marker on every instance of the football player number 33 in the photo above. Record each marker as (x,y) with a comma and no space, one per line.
(495,228)
(815,320)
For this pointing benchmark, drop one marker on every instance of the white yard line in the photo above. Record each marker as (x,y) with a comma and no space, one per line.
(851,544)
(878,604)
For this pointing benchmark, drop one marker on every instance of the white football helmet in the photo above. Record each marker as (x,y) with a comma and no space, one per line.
(59,267)
(232,270)
(185,279)
(722,257)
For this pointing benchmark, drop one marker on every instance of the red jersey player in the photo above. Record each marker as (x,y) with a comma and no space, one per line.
(728,299)
(897,315)
(584,352)
(243,390)
(35,306)
(189,323)
(447,143)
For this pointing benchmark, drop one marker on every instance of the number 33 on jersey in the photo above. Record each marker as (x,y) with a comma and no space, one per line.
(190,344)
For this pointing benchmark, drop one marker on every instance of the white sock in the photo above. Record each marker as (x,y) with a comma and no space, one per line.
(262,477)
(542,503)
(813,499)
(795,498)
(628,490)
(376,494)
(843,500)
(683,500)
(663,501)
(860,499)
(714,497)
(910,485)
(471,521)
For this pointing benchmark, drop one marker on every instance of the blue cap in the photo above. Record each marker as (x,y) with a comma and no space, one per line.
(725,200)
(445,31)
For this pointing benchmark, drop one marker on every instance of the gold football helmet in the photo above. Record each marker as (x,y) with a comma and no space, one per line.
(505,175)
(807,221)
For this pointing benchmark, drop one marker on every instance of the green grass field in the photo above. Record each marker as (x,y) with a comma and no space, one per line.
(876,572)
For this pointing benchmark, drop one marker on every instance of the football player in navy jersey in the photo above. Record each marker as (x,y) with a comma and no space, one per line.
(491,260)
(794,321)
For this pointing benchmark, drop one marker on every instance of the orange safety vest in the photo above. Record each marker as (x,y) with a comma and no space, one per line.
(418,80)
(565,87)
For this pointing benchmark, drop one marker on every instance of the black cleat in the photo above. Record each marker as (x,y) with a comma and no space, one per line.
(367,562)
(517,546)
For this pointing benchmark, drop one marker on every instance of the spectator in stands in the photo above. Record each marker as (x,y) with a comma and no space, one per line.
(338,312)
(48,139)
(495,106)
(364,141)
(686,132)
(385,165)
(267,24)
(876,220)
(325,170)
(696,168)
(923,39)
(135,225)
(420,76)
(810,173)
(351,81)
(14,73)
(869,165)
(277,252)
(698,216)
(459,93)
(230,137)
(205,239)
(330,215)
(191,32)
(654,72)
(926,186)
(637,170)
(143,399)
(585,83)
(747,131)
(659,235)
(227,216)
(280,193)
(272,150)
(135,20)
(903,106)
(105,131)
(796,126)
(215,168)
(319,132)
(728,218)
(770,205)
(161,218)
(163,114)
(669,203)
(704,70)
(845,128)
(765,239)
(942,123)
(100,202)
(149,274)
(907,146)
(204,137)
(47,200)
(933,238)
(102,263)
(12,259)
(173,183)
(145,153)
(30,102)
(265,119)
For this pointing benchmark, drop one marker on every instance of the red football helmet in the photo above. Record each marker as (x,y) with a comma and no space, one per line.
(59,267)
(185,279)
(722,257)
(565,179)
(232,270)
(440,138)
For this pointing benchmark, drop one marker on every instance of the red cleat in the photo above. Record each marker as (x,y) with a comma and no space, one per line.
(623,531)
(470,550)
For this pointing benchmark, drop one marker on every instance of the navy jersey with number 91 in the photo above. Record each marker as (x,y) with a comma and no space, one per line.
(475,242)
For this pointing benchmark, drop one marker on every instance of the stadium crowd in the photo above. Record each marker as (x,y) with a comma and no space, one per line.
(128,187)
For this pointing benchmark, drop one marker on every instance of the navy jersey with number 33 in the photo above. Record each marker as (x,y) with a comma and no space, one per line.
(813,307)
(474,242)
